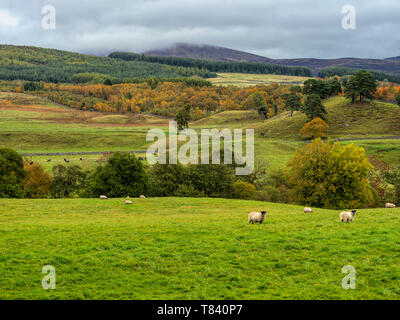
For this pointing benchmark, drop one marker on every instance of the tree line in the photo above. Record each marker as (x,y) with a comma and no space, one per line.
(216,66)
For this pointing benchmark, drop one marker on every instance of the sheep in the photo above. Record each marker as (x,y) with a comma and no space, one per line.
(66,160)
(128,202)
(48,160)
(255,217)
(142,197)
(103,197)
(307,210)
(390,205)
(347,216)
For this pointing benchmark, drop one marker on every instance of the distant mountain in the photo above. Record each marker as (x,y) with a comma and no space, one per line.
(207,52)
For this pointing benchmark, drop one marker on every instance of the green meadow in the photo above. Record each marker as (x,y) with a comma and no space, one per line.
(191,248)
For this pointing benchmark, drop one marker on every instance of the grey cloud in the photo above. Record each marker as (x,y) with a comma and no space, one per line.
(276,29)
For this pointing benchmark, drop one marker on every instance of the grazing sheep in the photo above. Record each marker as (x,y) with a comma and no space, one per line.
(255,217)
(142,197)
(48,160)
(390,205)
(80,159)
(103,197)
(347,216)
(66,160)
(307,210)
(128,202)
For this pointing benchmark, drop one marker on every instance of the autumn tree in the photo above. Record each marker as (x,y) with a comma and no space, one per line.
(313,107)
(316,128)
(327,176)
(37,182)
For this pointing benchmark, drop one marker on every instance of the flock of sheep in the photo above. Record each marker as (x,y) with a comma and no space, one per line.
(127,201)
(259,217)
(345,216)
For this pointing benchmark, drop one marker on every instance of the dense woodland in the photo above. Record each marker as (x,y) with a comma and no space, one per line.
(49,65)
(217,66)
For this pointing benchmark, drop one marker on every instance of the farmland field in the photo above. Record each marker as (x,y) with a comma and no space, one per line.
(185,248)
(244,80)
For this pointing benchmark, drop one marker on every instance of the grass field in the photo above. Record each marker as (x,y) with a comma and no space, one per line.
(183,248)
(245,80)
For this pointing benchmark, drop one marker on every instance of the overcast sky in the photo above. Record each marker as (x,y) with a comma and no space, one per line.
(272,28)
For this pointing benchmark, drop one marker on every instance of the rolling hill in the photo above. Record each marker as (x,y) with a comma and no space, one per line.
(389,65)
(207,52)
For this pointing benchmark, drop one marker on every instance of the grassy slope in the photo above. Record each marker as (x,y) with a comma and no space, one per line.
(345,121)
(193,249)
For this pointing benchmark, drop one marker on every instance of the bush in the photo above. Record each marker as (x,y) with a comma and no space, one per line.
(316,128)
(243,190)
(11,174)
(331,176)
(37,182)
(121,176)
(398,100)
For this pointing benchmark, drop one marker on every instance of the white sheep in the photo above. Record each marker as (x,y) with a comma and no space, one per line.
(390,205)
(128,202)
(255,217)
(307,210)
(103,197)
(347,216)
(142,197)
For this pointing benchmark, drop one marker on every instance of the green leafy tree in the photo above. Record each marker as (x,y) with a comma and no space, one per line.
(123,175)
(183,117)
(244,190)
(313,107)
(361,85)
(398,100)
(12,174)
(335,87)
(329,176)
(292,102)
(67,181)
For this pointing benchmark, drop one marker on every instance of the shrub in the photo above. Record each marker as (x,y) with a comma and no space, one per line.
(243,190)
(121,176)
(331,176)
(316,128)
(37,182)
(398,100)
(11,174)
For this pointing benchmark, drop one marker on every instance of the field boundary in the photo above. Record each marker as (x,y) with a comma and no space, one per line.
(76,153)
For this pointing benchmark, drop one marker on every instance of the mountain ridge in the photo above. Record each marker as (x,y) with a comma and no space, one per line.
(209,52)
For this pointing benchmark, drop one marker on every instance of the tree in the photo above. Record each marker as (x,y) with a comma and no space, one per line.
(316,128)
(254,101)
(67,181)
(335,87)
(362,85)
(11,174)
(121,176)
(292,102)
(333,177)
(183,117)
(37,182)
(313,107)
(318,87)
(398,100)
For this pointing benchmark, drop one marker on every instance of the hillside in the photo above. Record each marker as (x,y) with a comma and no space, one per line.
(185,50)
(40,64)
(195,248)
(373,119)
(390,65)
